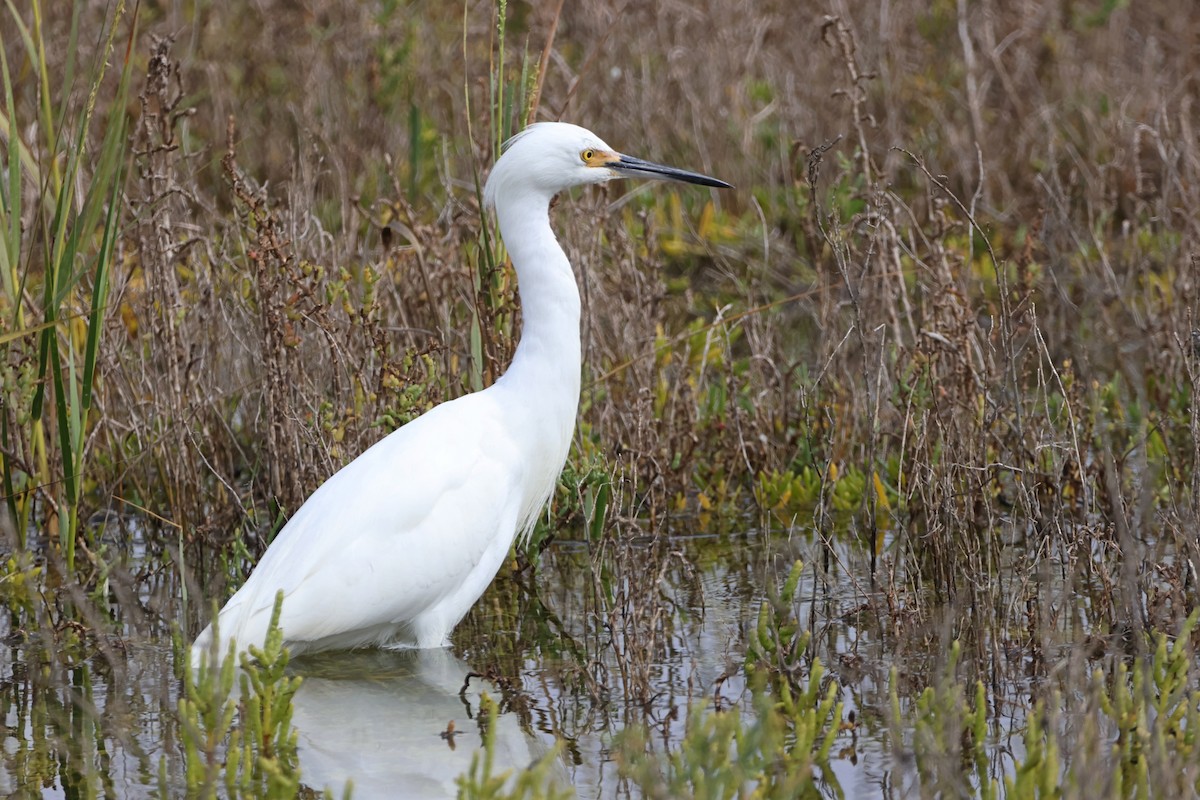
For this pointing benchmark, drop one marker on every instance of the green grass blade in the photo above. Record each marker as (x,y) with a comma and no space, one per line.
(6,480)
(18,158)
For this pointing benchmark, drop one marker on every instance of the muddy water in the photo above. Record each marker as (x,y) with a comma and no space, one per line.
(647,632)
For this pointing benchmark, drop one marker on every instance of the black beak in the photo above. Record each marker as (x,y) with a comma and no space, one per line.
(636,168)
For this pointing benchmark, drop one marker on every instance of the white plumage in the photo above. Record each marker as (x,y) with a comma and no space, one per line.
(397,545)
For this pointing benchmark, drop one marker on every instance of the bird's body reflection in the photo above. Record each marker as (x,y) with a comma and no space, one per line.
(379,719)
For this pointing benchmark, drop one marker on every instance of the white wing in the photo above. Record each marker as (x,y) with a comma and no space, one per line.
(408,528)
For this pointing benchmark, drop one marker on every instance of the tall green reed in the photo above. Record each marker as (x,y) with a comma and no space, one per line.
(59,220)
(511,105)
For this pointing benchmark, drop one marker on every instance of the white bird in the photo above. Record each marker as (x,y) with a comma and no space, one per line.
(396,547)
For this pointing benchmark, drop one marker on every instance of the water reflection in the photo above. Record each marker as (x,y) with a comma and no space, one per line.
(648,634)
(380,718)
(643,631)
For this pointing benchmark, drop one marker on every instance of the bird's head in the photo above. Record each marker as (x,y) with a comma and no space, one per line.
(548,157)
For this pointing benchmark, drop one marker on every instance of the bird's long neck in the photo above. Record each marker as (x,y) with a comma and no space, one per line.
(547,361)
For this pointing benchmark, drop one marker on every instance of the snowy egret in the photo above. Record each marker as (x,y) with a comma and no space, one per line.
(397,546)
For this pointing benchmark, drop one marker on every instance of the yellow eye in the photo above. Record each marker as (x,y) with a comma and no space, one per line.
(587,155)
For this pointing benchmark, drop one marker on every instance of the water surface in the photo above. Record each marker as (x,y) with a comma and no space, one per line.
(641,631)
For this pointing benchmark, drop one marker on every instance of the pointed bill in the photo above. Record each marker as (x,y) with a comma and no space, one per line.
(637,168)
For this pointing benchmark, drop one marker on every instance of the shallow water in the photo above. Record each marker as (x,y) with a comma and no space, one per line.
(380,719)
(669,646)
(646,631)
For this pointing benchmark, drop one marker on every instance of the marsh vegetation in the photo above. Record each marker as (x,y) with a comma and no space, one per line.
(887,474)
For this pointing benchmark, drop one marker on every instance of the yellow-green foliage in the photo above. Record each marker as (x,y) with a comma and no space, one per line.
(776,752)
(949,738)
(480,782)
(789,496)
(777,641)
(245,747)
(1133,735)
(19,578)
